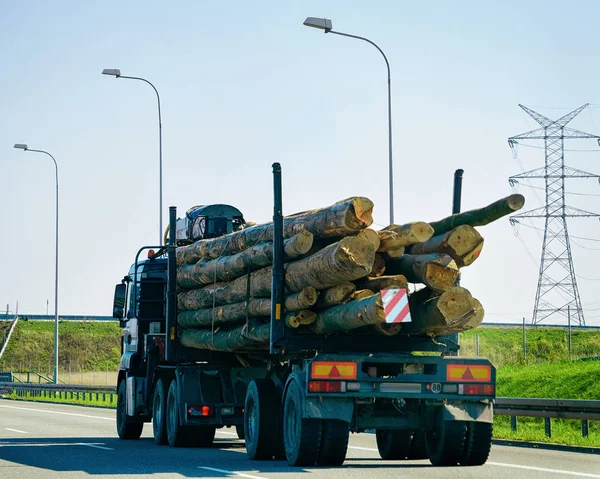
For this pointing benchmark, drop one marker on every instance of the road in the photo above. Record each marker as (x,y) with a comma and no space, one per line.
(59,441)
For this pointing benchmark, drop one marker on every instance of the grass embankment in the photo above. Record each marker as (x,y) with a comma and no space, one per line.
(83,346)
(504,346)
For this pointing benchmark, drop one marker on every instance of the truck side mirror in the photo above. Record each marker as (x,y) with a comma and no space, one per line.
(119,301)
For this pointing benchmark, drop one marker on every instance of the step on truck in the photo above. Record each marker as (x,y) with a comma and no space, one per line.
(300,400)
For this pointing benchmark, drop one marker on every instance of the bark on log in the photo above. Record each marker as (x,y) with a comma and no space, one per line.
(227,268)
(398,236)
(436,270)
(397,281)
(349,316)
(335,295)
(463,244)
(378,266)
(299,318)
(360,294)
(349,259)
(341,219)
(256,307)
(393,254)
(249,337)
(481,216)
(453,311)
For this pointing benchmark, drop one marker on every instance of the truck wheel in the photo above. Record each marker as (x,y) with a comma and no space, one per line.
(393,443)
(240,431)
(126,428)
(445,442)
(477,444)
(334,442)
(302,437)
(177,435)
(417,448)
(261,419)
(159,408)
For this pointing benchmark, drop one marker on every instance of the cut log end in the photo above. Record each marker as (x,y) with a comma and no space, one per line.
(515,202)
(299,318)
(363,210)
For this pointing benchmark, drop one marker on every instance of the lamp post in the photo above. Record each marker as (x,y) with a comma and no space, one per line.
(326,25)
(24,147)
(117,74)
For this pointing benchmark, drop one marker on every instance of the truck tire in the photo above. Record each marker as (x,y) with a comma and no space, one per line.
(302,437)
(261,419)
(159,412)
(177,435)
(334,442)
(126,427)
(446,441)
(417,449)
(393,443)
(478,444)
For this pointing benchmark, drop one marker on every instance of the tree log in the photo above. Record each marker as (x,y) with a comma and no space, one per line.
(227,268)
(378,266)
(481,216)
(398,236)
(463,244)
(393,254)
(453,311)
(249,337)
(298,318)
(349,316)
(335,295)
(341,219)
(397,281)
(349,259)
(360,294)
(436,270)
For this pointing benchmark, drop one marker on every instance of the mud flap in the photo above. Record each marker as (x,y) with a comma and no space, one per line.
(328,408)
(468,411)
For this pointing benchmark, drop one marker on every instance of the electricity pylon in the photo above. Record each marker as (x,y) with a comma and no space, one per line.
(557,291)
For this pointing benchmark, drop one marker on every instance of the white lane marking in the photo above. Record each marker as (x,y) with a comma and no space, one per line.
(363,448)
(16,430)
(47,444)
(223,471)
(95,446)
(59,412)
(544,469)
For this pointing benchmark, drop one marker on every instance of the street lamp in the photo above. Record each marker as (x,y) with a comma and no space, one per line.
(326,25)
(117,74)
(21,146)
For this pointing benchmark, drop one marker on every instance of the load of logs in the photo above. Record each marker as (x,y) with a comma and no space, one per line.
(335,269)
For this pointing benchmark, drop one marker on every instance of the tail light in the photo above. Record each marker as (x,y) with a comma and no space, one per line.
(476,389)
(327,386)
(202,411)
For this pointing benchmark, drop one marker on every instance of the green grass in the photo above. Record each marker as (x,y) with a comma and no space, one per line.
(504,346)
(81,401)
(83,346)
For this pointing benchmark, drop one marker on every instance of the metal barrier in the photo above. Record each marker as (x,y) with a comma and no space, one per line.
(106,394)
(548,409)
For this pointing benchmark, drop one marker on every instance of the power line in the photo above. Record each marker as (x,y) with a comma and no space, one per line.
(566,192)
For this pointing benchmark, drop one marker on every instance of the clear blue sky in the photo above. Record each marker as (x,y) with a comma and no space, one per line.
(244,84)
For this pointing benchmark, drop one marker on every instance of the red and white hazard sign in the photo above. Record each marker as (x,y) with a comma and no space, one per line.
(395,303)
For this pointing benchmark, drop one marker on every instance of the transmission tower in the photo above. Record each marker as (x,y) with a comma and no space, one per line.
(557,291)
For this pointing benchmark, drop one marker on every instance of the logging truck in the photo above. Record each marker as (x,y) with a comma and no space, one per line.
(300,398)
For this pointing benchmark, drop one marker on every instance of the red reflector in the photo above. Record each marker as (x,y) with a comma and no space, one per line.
(206,411)
(478,389)
(201,411)
(326,386)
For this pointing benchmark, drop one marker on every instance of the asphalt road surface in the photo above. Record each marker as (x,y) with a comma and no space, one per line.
(58,441)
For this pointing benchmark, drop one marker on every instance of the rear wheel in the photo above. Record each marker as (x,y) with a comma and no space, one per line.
(446,441)
(159,407)
(177,435)
(261,419)
(393,443)
(126,427)
(334,442)
(302,437)
(478,443)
